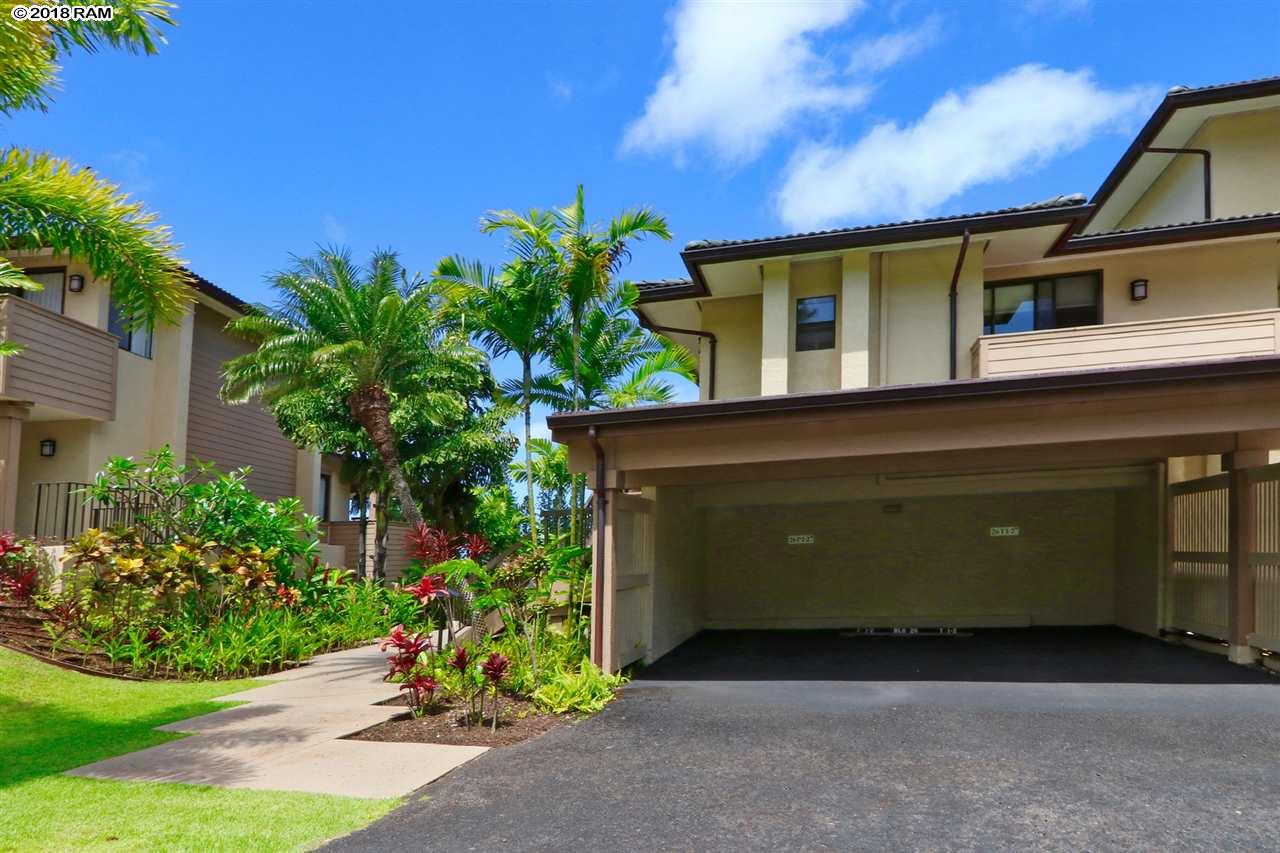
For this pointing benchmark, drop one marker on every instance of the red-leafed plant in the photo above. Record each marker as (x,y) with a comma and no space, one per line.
(476,547)
(422,689)
(428,589)
(407,649)
(495,669)
(431,546)
(19,585)
(19,568)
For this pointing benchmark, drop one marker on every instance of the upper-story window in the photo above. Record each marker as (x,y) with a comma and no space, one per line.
(815,323)
(136,341)
(1048,302)
(52,296)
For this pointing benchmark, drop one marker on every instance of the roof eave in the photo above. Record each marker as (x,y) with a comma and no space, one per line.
(1184,233)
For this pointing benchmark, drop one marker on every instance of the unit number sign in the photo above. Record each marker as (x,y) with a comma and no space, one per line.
(1006,531)
(800,539)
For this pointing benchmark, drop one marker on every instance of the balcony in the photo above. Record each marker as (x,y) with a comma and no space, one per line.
(1147,342)
(67,365)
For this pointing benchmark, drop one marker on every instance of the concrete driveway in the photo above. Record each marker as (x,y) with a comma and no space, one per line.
(765,741)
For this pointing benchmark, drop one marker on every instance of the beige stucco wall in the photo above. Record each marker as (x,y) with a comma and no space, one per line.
(916,319)
(70,462)
(1137,558)
(814,370)
(678,583)
(1245,173)
(933,563)
(736,323)
(1184,280)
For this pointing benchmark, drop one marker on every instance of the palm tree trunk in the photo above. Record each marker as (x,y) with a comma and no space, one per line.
(576,335)
(528,453)
(371,407)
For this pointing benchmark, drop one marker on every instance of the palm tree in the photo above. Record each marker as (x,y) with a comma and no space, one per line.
(516,313)
(622,364)
(587,257)
(362,331)
(47,202)
(549,468)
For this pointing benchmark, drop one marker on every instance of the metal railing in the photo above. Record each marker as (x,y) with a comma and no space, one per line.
(65,510)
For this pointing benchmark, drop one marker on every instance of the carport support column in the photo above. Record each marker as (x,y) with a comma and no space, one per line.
(603,600)
(1241,523)
(775,331)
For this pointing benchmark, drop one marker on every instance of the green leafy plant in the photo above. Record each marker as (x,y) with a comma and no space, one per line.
(585,689)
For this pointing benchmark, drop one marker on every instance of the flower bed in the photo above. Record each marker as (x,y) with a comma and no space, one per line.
(446,723)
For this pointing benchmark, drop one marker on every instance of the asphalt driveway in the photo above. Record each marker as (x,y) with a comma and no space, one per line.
(765,741)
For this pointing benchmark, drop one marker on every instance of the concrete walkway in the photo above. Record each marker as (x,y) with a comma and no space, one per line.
(286,738)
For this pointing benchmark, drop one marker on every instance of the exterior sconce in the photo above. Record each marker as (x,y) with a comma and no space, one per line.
(48,447)
(75,283)
(1138,289)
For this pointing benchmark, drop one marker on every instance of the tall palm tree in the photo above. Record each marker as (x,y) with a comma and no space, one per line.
(515,311)
(361,331)
(586,255)
(622,364)
(550,470)
(49,203)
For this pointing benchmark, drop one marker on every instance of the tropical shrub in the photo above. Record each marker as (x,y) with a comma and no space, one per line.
(19,567)
(170,501)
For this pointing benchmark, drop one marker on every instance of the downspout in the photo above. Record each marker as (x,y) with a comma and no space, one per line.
(1208,172)
(711,346)
(597,552)
(953,295)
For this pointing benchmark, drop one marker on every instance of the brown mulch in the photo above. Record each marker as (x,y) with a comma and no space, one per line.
(518,720)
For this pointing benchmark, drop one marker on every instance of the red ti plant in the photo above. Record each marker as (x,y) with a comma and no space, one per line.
(431,546)
(422,689)
(408,648)
(19,585)
(476,547)
(460,660)
(428,589)
(495,669)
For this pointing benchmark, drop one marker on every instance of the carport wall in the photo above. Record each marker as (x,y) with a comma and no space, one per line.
(896,551)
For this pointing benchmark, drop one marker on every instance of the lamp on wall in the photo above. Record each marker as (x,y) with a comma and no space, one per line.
(48,447)
(1138,289)
(75,283)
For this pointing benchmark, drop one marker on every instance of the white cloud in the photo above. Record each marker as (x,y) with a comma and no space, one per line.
(890,49)
(1003,128)
(741,73)
(333,230)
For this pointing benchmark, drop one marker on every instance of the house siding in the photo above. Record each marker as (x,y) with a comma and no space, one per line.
(233,436)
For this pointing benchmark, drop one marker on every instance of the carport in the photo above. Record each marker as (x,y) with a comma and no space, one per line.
(993,503)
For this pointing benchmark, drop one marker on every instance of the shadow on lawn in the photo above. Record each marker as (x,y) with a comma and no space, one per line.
(44,739)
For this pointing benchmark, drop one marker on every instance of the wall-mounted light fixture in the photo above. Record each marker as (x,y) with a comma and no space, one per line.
(75,283)
(48,447)
(1138,289)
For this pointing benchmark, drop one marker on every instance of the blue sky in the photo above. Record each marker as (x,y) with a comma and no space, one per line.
(263,129)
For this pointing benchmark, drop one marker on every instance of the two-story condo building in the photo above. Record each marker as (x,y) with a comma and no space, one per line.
(1062,414)
(84,390)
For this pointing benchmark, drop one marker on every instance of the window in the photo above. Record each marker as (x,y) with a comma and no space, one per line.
(51,298)
(1041,303)
(815,323)
(326,485)
(136,341)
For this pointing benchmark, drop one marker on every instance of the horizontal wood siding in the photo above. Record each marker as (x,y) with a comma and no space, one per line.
(66,364)
(233,436)
(1248,333)
(347,535)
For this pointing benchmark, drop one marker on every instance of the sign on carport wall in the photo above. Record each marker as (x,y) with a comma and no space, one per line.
(1009,530)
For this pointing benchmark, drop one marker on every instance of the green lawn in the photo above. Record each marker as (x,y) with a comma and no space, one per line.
(52,720)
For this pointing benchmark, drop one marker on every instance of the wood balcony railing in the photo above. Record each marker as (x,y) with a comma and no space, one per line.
(1147,342)
(66,365)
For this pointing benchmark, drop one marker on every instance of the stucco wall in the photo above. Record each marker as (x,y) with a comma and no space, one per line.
(1245,176)
(814,370)
(736,324)
(916,318)
(1184,280)
(678,605)
(934,562)
(1137,540)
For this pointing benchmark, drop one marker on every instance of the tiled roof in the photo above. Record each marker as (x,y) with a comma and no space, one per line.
(1179,90)
(1055,202)
(662,285)
(212,290)
(1244,217)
